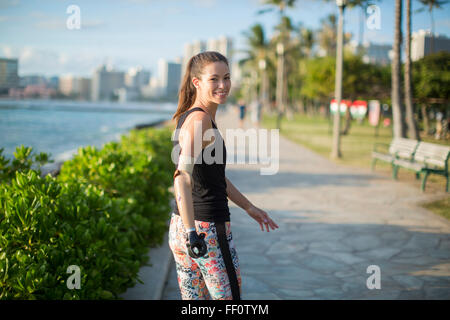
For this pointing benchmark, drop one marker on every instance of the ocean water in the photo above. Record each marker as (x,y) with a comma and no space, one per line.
(61,127)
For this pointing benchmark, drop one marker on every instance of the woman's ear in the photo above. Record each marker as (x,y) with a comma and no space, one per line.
(195,82)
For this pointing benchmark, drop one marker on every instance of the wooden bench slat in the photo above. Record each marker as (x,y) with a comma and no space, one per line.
(382,156)
(410,165)
(432,154)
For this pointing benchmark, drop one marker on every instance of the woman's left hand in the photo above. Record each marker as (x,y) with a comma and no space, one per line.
(262,218)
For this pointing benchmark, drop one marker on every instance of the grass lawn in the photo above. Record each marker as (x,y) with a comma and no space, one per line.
(315,133)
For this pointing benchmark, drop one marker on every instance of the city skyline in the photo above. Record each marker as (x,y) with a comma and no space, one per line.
(128,33)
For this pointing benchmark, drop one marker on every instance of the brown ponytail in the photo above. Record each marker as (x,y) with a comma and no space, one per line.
(194,68)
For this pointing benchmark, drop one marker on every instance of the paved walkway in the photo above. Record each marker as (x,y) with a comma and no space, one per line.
(335,221)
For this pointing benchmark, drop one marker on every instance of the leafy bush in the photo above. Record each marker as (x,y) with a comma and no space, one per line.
(101,213)
(23,160)
(137,170)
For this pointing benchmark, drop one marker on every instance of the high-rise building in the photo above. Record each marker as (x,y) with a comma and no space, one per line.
(190,50)
(169,74)
(32,80)
(423,44)
(84,88)
(53,82)
(137,77)
(372,52)
(377,53)
(75,86)
(9,77)
(105,81)
(223,45)
(67,85)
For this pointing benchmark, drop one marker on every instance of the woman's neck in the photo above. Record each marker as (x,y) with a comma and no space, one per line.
(211,108)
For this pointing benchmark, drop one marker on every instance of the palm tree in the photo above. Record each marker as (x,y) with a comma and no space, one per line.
(328,34)
(257,50)
(397,110)
(413,133)
(431,4)
(306,41)
(281,4)
(284,27)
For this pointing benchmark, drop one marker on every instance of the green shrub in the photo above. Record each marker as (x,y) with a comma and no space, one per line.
(23,160)
(101,213)
(137,170)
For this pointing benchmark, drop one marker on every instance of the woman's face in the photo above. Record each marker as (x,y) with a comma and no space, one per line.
(214,84)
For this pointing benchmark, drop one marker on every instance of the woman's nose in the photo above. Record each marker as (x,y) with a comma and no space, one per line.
(222,84)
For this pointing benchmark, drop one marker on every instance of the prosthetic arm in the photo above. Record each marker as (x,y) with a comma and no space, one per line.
(183,193)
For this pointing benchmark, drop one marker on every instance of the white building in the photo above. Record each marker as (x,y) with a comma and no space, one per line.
(78,86)
(67,84)
(137,77)
(223,45)
(190,50)
(423,44)
(105,81)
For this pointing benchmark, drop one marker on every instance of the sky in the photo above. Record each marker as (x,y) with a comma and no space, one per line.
(128,33)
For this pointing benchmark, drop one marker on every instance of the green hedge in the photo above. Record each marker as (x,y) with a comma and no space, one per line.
(101,213)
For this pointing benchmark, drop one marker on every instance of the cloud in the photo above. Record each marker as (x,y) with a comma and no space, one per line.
(7,52)
(199,3)
(34,60)
(48,22)
(51,24)
(8,3)
(92,24)
(445,23)
(60,24)
(205,3)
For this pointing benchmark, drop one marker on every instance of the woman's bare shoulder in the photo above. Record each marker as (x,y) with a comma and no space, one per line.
(196,116)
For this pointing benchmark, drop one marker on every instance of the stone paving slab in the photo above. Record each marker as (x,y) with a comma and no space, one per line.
(335,221)
(154,276)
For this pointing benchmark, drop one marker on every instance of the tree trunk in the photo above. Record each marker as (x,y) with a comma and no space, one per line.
(336,144)
(426,122)
(280,83)
(397,110)
(412,125)
(348,121)
(432,29)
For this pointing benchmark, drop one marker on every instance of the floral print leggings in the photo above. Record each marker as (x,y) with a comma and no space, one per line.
(203,278)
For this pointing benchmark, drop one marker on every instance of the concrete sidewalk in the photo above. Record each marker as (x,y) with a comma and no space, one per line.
(335,222)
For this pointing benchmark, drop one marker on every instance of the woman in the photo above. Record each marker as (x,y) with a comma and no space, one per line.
(200,232)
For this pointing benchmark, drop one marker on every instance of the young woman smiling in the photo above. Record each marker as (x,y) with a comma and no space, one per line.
(200,232)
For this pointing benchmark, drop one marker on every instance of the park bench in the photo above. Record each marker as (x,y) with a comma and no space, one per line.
(427,158)
(399,148)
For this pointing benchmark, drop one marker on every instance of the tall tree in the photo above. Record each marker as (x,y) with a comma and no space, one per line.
(257,49)
(413,132)
(281,5)
(328,35)
(431,83)
(284,28)
(307,41)
(397,109)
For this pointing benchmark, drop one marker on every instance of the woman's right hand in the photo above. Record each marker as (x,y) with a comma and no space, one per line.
(196,244)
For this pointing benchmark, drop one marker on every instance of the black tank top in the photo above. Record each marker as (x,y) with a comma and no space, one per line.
(209,187)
